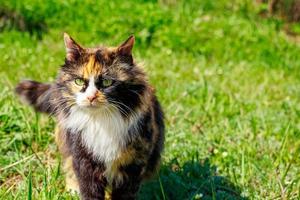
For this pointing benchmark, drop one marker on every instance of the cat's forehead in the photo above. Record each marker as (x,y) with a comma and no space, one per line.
(96,61)
(91,67)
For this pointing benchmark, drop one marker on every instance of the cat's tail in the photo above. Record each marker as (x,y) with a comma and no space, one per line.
(36,94)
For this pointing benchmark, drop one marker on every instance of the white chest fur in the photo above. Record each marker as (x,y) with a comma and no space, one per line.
(104,134)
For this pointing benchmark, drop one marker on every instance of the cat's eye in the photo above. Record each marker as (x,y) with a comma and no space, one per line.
(79,81)
(107,82)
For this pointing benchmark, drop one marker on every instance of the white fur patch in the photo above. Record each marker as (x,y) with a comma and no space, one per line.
(103,133)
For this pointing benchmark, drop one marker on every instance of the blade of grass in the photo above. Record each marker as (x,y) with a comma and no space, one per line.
(29,191)
(161,187)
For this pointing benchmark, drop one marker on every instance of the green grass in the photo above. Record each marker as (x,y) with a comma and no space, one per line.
(228,81)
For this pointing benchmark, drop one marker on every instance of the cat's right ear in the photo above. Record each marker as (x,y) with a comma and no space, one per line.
(125,48)
(73,50)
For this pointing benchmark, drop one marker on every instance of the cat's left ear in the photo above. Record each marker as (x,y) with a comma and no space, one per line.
(125,48)
(73,50)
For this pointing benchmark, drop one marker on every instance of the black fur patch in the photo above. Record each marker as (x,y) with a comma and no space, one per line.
(126,96)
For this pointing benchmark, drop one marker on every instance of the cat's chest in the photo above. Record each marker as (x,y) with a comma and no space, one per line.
(105,136)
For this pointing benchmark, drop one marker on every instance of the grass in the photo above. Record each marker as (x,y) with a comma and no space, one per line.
(228,81)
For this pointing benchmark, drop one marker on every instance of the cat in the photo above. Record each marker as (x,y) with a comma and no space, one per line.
(110,125)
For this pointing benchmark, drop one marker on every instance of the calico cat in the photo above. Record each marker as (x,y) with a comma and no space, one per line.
(110,127)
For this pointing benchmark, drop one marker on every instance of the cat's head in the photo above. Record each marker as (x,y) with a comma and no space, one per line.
(102,77)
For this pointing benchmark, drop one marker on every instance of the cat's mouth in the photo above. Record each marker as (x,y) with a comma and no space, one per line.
(97,108)
(92,105)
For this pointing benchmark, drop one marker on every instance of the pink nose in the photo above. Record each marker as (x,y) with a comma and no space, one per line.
(92,98)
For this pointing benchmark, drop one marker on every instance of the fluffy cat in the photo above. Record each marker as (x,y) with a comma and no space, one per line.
(110,127)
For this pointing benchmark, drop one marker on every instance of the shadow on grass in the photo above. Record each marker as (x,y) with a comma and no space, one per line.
(192,180)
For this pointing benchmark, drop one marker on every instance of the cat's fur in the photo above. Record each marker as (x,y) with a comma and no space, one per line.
(109,136)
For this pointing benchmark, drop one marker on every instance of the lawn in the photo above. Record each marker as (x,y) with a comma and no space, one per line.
(228,80)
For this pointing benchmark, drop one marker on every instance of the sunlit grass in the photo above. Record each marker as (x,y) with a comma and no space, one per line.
(228,80)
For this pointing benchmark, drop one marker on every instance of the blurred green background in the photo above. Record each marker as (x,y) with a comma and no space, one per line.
(226,72)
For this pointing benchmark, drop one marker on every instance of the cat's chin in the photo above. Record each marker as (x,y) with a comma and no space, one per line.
(92,108)
(93,105)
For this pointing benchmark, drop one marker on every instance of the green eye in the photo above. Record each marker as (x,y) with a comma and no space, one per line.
(107,82)
(79,81)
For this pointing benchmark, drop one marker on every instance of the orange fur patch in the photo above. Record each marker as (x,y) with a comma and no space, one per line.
(101,97)
(71,180)
(125,158)
(91,68)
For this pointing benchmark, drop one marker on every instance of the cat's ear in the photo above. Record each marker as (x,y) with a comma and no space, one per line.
(73,50)
(125,48)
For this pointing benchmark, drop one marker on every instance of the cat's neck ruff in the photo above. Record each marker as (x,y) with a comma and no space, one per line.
(103,132)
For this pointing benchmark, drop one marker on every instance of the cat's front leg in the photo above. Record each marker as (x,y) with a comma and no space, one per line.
(127,190)
(129,187)
(92,183)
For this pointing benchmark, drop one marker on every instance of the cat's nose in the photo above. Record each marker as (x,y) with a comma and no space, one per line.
(92,98)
